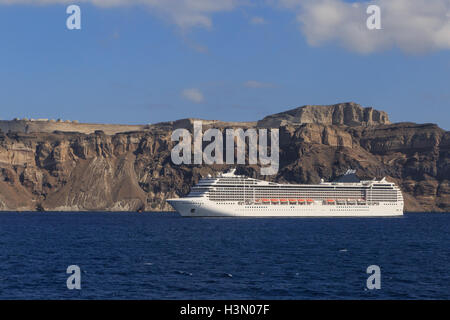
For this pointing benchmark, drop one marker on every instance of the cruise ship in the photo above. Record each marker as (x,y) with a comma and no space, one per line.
(231,195)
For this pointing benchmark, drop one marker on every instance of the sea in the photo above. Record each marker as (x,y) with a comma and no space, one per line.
(166,256)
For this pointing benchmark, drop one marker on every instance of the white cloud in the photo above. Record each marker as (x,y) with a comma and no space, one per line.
(257,20)
(257,84)
(414,26)
(193,94)
(184,13)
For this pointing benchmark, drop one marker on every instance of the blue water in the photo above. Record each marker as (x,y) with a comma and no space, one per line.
(164,256)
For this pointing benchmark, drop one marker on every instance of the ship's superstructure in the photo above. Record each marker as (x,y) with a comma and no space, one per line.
(229,194)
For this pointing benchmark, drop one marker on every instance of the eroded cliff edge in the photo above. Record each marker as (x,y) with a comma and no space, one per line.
(133,171)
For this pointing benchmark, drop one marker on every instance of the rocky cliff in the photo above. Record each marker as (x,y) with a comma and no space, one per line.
(133,171)
(350,114)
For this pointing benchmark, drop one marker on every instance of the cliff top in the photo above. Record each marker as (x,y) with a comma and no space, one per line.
(348,113)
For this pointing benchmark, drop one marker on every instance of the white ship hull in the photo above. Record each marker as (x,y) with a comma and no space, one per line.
(205,208)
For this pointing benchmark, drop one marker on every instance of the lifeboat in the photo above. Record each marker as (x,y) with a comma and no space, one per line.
(284,200)
(310,200)
(274,200)
(292,200)
(301,200)
(265,200)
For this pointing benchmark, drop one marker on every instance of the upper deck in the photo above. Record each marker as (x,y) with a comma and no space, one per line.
(232,187)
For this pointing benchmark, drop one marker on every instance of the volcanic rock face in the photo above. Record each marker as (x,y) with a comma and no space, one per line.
(133,171)
(350,114)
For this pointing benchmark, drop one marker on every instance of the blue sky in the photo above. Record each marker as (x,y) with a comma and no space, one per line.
(140,63)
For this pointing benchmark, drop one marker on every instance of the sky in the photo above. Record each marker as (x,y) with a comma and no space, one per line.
(147,61)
